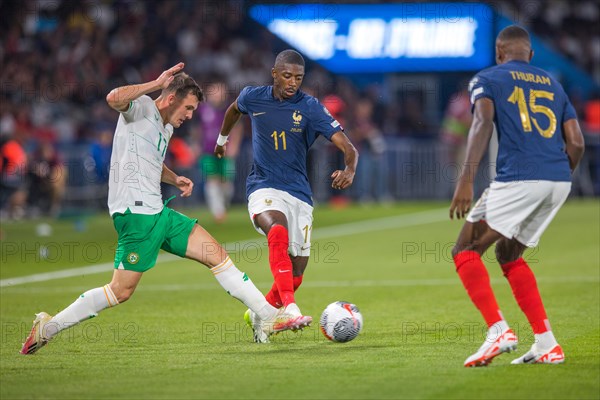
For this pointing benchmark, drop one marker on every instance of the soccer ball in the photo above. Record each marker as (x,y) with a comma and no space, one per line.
(341,322)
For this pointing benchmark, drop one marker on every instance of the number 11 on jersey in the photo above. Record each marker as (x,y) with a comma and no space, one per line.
(276,140)
(162,140)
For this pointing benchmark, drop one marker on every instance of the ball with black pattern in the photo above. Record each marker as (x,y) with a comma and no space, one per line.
(341,321)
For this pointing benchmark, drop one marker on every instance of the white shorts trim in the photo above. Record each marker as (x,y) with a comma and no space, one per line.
(521,210)
(298,214)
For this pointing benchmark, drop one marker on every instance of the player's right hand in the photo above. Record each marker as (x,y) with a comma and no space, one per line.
(342,179)
(461,201)
(165,79)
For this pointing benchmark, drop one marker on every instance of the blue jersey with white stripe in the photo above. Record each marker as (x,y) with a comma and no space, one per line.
(282,133)
(530,109)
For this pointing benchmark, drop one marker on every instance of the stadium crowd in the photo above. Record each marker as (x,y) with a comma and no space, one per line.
(59,59)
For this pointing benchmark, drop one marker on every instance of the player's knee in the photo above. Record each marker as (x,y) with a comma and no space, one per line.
(476,247)
(277,233)
(277,227)
(457,249)
(503,254)
(508,251)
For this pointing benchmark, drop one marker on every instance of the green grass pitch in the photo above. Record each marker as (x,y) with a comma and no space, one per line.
(182,336)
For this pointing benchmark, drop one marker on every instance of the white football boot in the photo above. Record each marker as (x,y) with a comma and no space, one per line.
(288,318)
(494,345)
(535,355)
(37,337)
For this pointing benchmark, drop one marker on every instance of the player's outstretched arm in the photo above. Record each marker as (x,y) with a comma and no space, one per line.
(181,182)
(343,179)
(575,145)
(120,97)
(232,116)
(480,133)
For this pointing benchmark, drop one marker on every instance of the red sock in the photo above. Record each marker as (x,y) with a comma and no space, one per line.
(281,264)
(297,282)
(273,295)
(524,287)
(476,280)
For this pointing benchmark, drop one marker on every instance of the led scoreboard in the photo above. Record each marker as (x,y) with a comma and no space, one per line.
(350,38)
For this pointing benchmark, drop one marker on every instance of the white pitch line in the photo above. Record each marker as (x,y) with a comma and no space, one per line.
(310,284)
(352,228)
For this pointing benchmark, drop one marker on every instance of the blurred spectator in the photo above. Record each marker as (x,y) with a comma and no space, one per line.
(100,151)
(218,173)
(336,107)
(592,115)
(412,121)
(592,138)
(48,178)
(181,159)
(13,167)
(372,172)
(455,126)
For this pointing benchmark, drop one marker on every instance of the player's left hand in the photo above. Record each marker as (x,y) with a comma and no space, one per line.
(185,185)
(342,179)
(165,79)
(461,201)
(220,150)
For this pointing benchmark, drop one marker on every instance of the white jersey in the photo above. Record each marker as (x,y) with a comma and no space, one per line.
(138,153)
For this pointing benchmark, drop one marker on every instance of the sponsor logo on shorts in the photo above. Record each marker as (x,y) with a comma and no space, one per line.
(133,258)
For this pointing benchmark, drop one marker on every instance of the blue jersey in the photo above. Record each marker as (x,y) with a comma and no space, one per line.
(530,109)
(282,133)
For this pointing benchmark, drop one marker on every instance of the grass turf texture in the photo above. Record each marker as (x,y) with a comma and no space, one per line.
(182,336)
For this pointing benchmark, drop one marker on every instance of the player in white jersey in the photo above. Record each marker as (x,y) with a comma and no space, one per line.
(143,223)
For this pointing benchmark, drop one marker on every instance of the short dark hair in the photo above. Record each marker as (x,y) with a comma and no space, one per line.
(182,85)
(512,33)
(289,57)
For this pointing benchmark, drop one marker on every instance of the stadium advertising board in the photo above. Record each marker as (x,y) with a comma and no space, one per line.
(350,38)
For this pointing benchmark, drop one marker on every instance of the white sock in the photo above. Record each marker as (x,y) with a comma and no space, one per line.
(239,285)
(87,306)
(545,341)
(496,330)
(215,198)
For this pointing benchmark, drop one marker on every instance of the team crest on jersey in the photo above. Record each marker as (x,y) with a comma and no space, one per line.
(133,258)
(297,117)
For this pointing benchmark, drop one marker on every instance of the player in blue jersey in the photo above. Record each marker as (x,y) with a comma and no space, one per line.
(540,144)
(285,123)
(144,223)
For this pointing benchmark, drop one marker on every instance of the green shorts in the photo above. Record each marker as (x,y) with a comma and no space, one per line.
(212,167)
(142,236)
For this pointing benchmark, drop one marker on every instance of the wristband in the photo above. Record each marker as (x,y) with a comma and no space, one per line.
(221,140)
